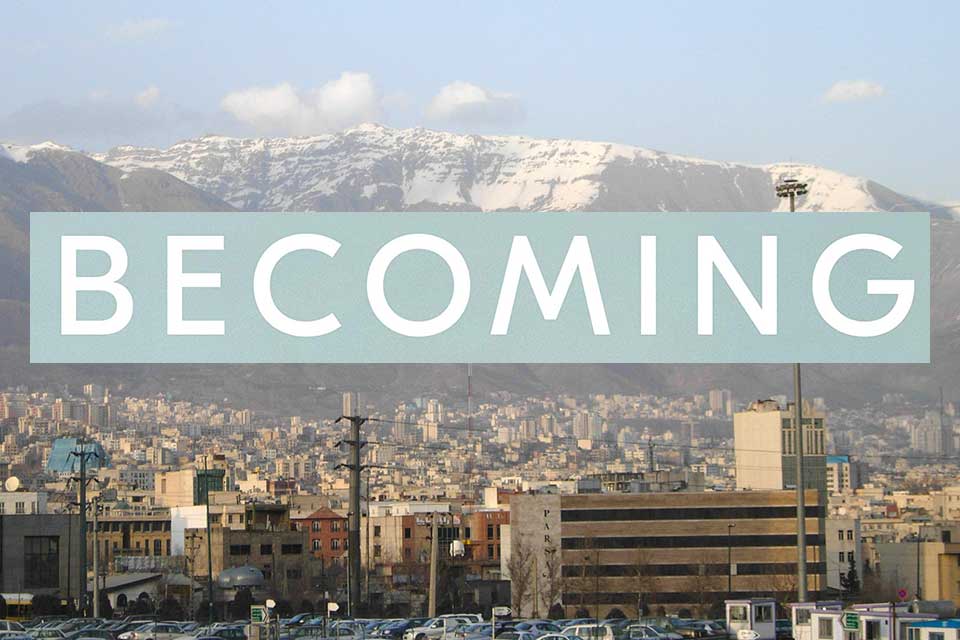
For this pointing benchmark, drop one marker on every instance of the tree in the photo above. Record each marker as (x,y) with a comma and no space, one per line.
(45,604)
(850,581)
(556,611)
(141,606)
(520,569)
(581,613)
(551,593)
(239,608)
(644,580)
(703,587)
(170,609)
(106,609)
(615,614)
(306,606)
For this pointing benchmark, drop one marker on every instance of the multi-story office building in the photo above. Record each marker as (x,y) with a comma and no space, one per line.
(843,550)
(669,550)
(765,437)
(843,474)
(38,554)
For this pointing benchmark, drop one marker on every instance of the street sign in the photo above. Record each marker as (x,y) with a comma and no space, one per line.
(258,614)
(851,621)
(902,593)
(332,607)
(747,634)
(501,612)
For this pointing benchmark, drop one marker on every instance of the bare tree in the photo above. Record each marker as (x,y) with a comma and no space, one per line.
(644,579)
(704,587)
(520,568)
(552,574)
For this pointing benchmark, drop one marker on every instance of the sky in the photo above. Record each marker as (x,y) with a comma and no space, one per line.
(866,88)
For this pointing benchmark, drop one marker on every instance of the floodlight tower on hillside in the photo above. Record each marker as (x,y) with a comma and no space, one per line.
(792,188)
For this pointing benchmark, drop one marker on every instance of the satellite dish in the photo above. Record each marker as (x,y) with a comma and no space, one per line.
(12,484)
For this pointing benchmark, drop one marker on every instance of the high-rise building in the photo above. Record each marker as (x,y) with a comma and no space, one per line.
(721,402)
(350,405)
(933,435)
(843,474)
(765,447)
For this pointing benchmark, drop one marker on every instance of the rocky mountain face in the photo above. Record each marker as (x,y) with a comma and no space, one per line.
(48,177)
(375,168)
(380,169)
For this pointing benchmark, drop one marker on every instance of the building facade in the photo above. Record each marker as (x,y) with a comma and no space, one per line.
(658,551)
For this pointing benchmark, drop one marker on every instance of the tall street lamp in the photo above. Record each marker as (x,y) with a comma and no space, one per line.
(792,188)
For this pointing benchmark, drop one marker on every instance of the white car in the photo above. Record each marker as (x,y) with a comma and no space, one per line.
(437,627)
(153,631)
(591,631)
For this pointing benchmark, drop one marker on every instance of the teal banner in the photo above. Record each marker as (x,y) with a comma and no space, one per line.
(479,287)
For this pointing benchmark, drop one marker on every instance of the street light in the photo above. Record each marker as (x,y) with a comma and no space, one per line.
(792,188)
(730,528)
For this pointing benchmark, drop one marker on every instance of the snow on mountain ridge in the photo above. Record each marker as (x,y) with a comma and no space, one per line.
(372,167)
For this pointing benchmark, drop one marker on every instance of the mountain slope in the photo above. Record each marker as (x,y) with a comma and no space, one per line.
(377,168)
(48,177)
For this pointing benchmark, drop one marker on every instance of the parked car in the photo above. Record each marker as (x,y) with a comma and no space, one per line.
(516,635)
(651,631)
(592,631)
(437,627)
(11,625)
(153,631)
(537,627)
(46,634)
(396,631)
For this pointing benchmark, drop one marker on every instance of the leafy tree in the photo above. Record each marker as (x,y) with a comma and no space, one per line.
(171,609)
(45,604)
(850,581)
(239,608)
(556,611)
(106,609)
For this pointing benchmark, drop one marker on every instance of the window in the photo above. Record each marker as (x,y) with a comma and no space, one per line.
(466,533)
(293,574)
(335,544)
(266,549)
(376,531)
(157,547)
(239,549)
(839,532)
(825,629)
(315,525)
(489,532)
(316,545)
(291,549)
(738,613)
(763,613)
(913,633)
(377,551)
(849,556)
(849,534)
(935,635)
(489,550)
(843,556)
(20,507)
(41,562)
(871,630)
(335,525)
(406,533)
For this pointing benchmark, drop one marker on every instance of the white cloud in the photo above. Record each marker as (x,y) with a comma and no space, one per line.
(466,103)
(349,100)
(851,90)
(148,97)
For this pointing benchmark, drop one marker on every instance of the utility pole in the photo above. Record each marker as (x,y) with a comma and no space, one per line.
(791,188)
(434,561)
(83,455)
(651,461)
(353,538)
(206,501)
(96,558)
(919,547)
(369,556)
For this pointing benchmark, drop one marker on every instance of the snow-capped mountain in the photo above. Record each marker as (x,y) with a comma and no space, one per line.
(377,168)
